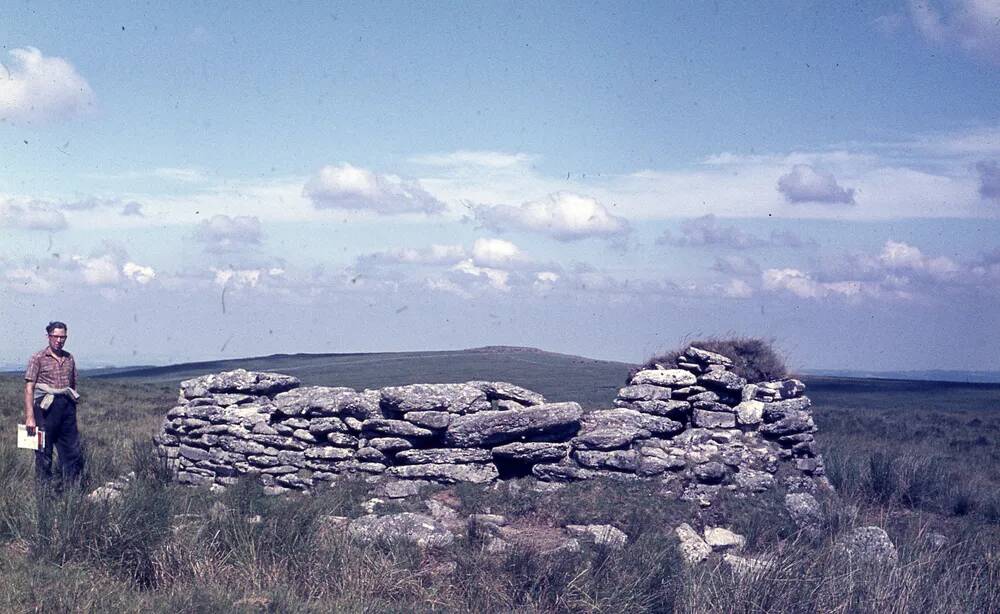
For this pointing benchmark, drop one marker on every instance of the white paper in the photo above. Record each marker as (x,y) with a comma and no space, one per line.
(30,442)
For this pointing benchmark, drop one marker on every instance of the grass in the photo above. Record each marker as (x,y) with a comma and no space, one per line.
(907,460)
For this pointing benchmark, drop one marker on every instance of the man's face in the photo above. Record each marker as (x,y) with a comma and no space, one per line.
(57,339)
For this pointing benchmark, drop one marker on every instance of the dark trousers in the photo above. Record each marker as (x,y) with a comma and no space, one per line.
(61,434)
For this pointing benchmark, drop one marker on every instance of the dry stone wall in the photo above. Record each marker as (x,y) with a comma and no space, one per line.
(695,427)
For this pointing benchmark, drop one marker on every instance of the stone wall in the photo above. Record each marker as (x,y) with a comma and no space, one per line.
(696,428)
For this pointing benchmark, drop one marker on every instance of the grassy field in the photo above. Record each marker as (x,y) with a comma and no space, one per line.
(914,458)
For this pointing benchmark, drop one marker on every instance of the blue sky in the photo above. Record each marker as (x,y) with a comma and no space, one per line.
(188,182)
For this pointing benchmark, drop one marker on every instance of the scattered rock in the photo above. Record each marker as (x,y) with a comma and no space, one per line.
(805,511)
(867,546)
(600,534)
(723,539)
(419,529)
(693,548)
(748,566)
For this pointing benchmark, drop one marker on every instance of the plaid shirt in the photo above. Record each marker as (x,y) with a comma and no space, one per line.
(45,368)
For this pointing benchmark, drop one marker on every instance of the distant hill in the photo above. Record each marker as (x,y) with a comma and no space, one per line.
(560,377)
(931,375)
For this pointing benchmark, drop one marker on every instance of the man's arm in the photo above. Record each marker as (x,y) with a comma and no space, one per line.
(29,403)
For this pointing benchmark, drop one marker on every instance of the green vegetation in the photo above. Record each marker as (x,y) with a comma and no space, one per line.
(914,460)
(754,359)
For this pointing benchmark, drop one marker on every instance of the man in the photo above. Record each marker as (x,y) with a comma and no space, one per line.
(50,404)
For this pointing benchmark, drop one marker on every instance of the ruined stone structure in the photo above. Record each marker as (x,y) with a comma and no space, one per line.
(696,428)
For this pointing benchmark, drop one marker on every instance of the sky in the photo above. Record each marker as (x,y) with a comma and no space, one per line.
(195,181)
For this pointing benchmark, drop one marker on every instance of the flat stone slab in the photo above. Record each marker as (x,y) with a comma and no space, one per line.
(447,473)
(531,452)
(665,377)
(238,381)
(506,391)
(453,398)
(490,428)
(444,455)
(314,400)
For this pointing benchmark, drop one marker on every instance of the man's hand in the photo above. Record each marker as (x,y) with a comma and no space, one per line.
(29,404)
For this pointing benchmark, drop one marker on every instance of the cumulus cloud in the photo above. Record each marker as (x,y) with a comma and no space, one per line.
(107,272)
(222,233)
(802,285)
(246,278)
(899,256)
(898,270)
(972,25)
(32,216)
(496,253)
(989,179)
(358,189)
(707,231)
(804,184)
(98,271)
(496,278)
(433,254)
(563,215)
(36,88)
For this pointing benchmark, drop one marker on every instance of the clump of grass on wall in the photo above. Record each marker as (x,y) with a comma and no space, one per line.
(754,359)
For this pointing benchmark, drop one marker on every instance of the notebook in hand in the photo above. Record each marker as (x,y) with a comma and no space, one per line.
(35,441)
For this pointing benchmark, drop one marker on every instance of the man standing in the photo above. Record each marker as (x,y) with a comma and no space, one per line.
(50,404)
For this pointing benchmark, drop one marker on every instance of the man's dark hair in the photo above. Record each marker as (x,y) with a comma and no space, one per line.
(54,325)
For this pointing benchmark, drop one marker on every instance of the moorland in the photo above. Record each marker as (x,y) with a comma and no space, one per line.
(919,459)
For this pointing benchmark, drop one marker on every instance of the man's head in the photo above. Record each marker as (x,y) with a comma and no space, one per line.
(57,335)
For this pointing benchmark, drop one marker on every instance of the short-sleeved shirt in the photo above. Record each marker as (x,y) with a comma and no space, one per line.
(45,368)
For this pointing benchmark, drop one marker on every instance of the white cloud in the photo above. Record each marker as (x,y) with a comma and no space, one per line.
(973,25)
(496,278)
(485,159)
(563,215)
(433,254)
(897,255)
(803,285)
(496,253)
(185,175)
(32,216)
(222,233)
(898,271)
(353,188)
(737,288)
(989,179)
(138,273)
(804,184)
(98,271)
(246,278)
(36,88)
